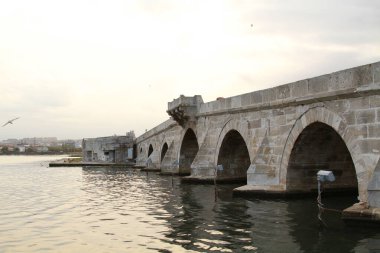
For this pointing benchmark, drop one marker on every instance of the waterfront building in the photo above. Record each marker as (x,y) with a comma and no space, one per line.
(111,149)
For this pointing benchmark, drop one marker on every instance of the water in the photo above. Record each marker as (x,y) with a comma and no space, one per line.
(123,210)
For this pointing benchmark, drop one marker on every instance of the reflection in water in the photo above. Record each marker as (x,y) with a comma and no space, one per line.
(124,210)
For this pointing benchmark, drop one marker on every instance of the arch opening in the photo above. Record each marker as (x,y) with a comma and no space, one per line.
(150,150)
(234,157)
(320,147)
(163,151)
(188,151)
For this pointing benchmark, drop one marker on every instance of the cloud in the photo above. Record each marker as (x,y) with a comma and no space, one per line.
(94,68)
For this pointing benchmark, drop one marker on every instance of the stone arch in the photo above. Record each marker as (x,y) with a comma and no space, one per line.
(319,147)
(317,117)
(150,150)
(164,149)
(241,126)
(188,151)
(233,155)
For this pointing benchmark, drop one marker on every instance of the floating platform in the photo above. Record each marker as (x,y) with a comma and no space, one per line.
(89,164)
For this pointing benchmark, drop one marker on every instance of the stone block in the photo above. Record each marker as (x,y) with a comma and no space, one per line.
(228,103)
(291,118)
(374,183)
(359,103)
(361,131)
(325,115)
(236,102)
(363,75)
(269,95)
(336,122)
(374,101)
(215,105)
(363,164)
(319,84)
(283,91)
(246,100)
(339,105)
(290,110)
(341,80)
(261,175)
(374,188)
(349,118)
(331,118)
(256,97)
(279,130)
(376,72)
(310,116)
(350,137)
(374,198)
(280,120)
(254,124)
(368,146)
(365,116)
(299,89)
(341,128)
(276,112)
(304,122)
(374,131)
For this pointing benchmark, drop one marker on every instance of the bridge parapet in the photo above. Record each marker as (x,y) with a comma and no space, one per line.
(184,109)
(347,83)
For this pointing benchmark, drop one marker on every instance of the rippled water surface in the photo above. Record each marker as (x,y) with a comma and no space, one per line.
(124,210)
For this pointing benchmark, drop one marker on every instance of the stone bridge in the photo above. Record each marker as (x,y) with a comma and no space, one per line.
(276,140)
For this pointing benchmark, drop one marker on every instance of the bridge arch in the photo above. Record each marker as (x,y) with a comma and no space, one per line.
(241,126)
(234,133)
(150,150)
(233,155)
(188,150)
(317,141)
(164,149)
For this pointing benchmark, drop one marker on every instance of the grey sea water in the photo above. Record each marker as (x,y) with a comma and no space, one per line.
(124,210)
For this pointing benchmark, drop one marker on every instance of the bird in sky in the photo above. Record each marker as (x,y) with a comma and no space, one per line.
(10,121)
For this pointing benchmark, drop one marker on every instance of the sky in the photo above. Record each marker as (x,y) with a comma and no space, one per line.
(90,68)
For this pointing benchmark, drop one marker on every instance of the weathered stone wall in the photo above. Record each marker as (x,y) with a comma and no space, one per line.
(168,132)
(276,124)
(107,149)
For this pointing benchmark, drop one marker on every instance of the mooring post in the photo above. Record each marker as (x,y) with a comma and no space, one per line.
(148,163)
(173,167)
(323,176)
(217,168)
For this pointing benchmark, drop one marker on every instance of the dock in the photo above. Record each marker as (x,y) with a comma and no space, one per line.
(89,164)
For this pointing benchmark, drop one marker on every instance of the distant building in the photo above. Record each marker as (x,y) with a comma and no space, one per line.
(68,143)
(10,142)
(113,149)
(78,143)
(21,149)
(41,149)
(42,141)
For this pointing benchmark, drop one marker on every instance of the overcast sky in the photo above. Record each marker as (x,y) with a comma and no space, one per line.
(87,68)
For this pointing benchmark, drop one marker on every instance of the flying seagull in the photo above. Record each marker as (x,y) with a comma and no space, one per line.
(10,121)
